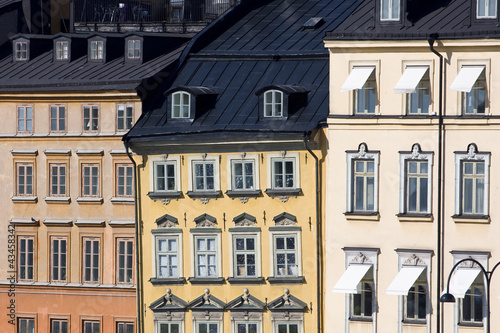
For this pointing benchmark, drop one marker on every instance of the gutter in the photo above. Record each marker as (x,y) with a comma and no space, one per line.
(138,247)
(319,267)
(439,323)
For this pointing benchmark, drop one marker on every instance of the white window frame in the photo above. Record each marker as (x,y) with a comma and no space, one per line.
(277,323)
(352,99)
(134,48)
(155,255)
(181,105)
(471,156)
(282,317)
(33,253)
(62,50)
(218,253)
(363,297)
(390,10)
(126,267)
(165,159)
(21,51)
(361,154)
(59,267)
(96,49)
(404,158)
(197,159)
(90,117)
(275,103)
(25,118)
(123,116)
(461,63)
(486,15)
(427,77)
(298,252)
(57,120)
(92,266)
(232,248)
(254,158)
(283,156)
(479,85)
(28,320)
(160,322)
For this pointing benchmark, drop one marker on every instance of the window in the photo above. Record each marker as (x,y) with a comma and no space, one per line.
(167,257)
(25,179)
(58,118)
(62,50)
(245,255)
(207,327)
(26,325)
(59,326)
(415,303)
(243,175)
(286,260)
(124,117)
(90,118)
(21,51)
(96,50)
(124,180)
(133,49)
(206,256)
(90,180)
(273,103)
(91,258)
(26,257)
(181,104)
(165,176)
(486,9)
(389,10)
(472,305)
(59,247)
(418,102)
(474,101)
(283,327)
(204,176)
(91,326)
(416,85)
(167,327)
(57,179)
(362,303)
(247,327)
(125,261)
(417,186)
(283,173)
(25,119)
(126,328)
(364,98)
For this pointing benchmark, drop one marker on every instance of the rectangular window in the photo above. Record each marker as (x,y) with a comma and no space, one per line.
(167,257)
(59,326)
(181,104)
(284,327)
(62,50)
(26,325)
(389,10)
(209,327)
(168,327)
(248,327)
(96,50)
(125,260)
(204,176)
(133,49)
(365,97)
(243,175)
(21,51)
(58,118)
(124,114)
(91,326)
(25,119)
(473,179)
(417,184)
(364,189)
(124,180)
(415,303)
(362,303)
(165,176)
(418,102)
(283,173)
(59,256)
(206,256)
(486,9)
(286,255)
(25,178)
(90,180)
(90,118)
(57,179)
(26,257)
(474,101)
(91,258)
(273,103)
(125,328)
(245,255)
(471,306)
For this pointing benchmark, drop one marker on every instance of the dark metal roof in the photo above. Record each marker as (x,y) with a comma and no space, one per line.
(5,3)
(449,19)
(265,46)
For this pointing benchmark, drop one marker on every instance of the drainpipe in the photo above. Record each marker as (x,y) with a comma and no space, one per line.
(138,247)
(432,38)
(319,243)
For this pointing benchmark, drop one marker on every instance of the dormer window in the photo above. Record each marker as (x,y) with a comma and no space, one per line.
(62,50)
(134,49)
(273,103)
(486,9)
(21,51)
(96,50)
(390,10)
(180,105)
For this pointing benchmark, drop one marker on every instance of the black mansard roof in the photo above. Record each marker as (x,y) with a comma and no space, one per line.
(261,43)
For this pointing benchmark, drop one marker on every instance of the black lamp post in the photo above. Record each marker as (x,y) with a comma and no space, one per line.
(449,298)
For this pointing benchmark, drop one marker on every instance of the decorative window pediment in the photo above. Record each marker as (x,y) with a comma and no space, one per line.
(168,303)
(245,220)
(279,101)
(186,103)
(287,303)
(207,302)
(246,302)
(167,221)
(285,219)
(205,221)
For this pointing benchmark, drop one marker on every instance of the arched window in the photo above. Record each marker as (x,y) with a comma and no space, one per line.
(273,103)
(180,104)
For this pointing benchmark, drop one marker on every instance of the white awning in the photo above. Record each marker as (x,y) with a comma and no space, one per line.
(466,78)
(404,280)
(408,82)
(349,281)
(462,280)
(357,78)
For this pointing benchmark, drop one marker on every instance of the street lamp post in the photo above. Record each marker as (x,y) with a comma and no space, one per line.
(449,298)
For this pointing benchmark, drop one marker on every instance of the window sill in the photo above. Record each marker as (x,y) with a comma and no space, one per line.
(25,198)
(405,217)
(122,200)
(89,200)
(246,280)
(164,197)
(66,200)
(286,280)
(360,319)
(471,324)
(204,196)
(283,194)
(243,195)
(206,280)
(362,216)
(167,281)
(477,219)
(414,322)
